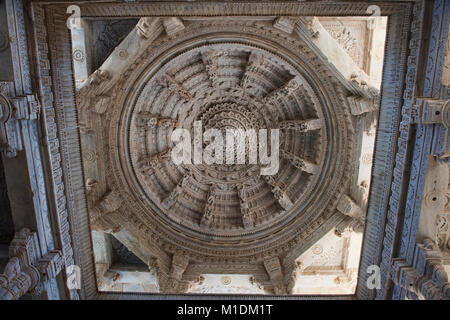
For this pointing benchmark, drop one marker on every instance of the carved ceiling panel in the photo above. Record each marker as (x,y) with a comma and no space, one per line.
(352,34)
(227,86)
(238,74)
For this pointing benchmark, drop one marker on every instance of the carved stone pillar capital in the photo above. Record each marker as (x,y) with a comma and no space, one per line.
(179,265)
(310,23)
(27,269)
(425,278)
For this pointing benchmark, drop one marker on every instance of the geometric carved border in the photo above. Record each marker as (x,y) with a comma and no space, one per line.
(58,85)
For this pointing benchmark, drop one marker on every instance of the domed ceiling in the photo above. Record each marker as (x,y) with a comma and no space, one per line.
(225,86)
(191,219)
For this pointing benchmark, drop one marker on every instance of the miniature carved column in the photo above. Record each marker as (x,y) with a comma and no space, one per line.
(296,273)
(26,269)
(247,216)
(208,214)
(426,278)
(278,193)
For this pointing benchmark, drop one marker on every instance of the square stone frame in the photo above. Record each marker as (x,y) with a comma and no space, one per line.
(51,48)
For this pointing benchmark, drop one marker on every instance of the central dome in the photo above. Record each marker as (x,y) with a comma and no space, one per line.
(220,78)
(226,87)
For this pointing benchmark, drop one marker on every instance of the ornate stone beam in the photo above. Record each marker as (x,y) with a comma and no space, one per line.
(80,60)
(27,270)
(93,94)
(329,50)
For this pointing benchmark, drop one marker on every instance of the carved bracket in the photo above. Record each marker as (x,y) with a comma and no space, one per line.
(174,283)
(285,24)
(349,208)
(369,102)
(275,272)
(27,269)
(102,208)
(426,278)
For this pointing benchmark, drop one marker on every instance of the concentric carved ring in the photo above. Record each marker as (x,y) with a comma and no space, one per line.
(226,88)
(227,210)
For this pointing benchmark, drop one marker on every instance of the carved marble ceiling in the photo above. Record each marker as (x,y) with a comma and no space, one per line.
(185,221)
